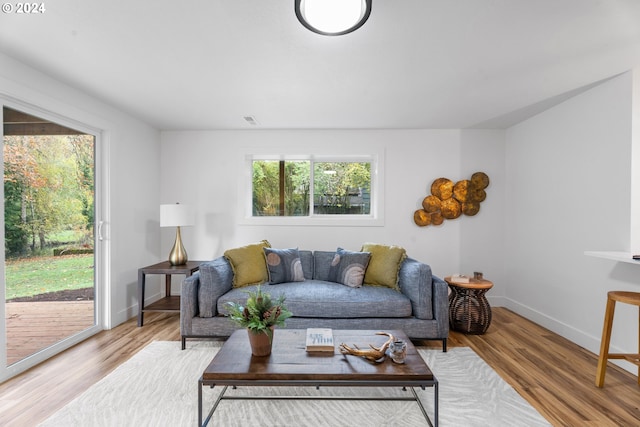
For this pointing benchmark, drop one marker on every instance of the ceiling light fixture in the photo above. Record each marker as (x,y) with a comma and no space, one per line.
(332,17)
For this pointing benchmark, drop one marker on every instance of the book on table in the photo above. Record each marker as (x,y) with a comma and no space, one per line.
(319,339)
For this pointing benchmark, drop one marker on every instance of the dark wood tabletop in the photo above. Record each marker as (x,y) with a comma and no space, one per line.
(165,267)
(290,363)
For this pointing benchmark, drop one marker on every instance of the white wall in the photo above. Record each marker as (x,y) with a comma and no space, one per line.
(482,236)
(568,191)
(635,162)
(131,181)
(203,168)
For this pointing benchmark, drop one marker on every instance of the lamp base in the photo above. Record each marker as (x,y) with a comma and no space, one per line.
(178,255)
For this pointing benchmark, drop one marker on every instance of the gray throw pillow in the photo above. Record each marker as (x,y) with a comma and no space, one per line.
(284,265)
(348,268)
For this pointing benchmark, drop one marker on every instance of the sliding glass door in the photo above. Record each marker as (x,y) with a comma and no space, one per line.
(51,289)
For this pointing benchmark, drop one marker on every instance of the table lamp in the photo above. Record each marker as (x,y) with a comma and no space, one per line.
(177,215)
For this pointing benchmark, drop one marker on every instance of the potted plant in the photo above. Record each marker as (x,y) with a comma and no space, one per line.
(259,316)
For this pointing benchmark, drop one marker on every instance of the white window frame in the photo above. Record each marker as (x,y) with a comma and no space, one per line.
(374,219)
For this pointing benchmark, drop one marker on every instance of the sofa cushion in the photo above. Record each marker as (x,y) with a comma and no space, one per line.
(347,268)
(322,264)
(384,265)
(321,299)
(284,265)
(215,280)
(248,264)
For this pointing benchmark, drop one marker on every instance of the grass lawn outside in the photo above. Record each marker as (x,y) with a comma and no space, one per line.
(27,277)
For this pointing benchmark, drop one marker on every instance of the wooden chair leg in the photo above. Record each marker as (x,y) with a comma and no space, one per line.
(604,344)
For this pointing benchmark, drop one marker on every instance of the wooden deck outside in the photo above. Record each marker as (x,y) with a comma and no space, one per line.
(33,326)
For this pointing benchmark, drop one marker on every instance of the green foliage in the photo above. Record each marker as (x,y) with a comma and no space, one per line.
(260,312)
(83,149)
(341,178)
(16,235)
(297,186)
(337,184)
(33,276)
(49,187)
(266,199)
(266,188)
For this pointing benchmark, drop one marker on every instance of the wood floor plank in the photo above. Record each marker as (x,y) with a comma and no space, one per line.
(554,375)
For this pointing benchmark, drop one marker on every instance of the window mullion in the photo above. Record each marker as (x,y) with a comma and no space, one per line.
(282,187)
(312,188)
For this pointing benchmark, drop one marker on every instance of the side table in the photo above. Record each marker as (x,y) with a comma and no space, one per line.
(469,310)
(169,303)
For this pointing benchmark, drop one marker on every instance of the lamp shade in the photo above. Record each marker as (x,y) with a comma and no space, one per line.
(176,215)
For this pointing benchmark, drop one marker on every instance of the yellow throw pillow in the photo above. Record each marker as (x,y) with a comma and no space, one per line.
(248,264)
(384,265)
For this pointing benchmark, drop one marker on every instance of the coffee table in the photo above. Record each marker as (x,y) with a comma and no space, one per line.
(290,365)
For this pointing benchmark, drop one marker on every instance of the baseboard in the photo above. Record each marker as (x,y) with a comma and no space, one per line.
(581,338)
(132,310)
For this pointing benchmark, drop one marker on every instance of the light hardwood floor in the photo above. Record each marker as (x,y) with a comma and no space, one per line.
(554,375)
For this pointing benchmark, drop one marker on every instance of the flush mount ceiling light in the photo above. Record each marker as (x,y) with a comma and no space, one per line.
(333,17)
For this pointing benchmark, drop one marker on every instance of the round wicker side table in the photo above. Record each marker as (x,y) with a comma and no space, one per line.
(469,310)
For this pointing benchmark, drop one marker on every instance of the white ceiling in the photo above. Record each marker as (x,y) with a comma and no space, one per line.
(205,64)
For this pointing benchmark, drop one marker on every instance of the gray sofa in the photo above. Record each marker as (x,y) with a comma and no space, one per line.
(420,309)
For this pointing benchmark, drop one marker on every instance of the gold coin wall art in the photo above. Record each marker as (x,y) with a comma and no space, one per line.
(449,201)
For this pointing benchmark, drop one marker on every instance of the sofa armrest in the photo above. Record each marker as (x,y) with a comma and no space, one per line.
(441,305)
(188,302)
(415,281)
(216,279)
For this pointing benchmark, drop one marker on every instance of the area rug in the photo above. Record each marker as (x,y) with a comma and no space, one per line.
(158,386)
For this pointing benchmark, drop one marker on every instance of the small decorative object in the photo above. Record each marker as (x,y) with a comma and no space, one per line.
(450,201)
(431,204)
(372,354)
(442,188)
(398,351)
(319,339)
(477,275)
(422,218)
(461,278)
(259,315)
(451,209)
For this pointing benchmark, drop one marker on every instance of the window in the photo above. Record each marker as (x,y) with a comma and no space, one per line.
(281,188)
(342,188)
(313,190)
